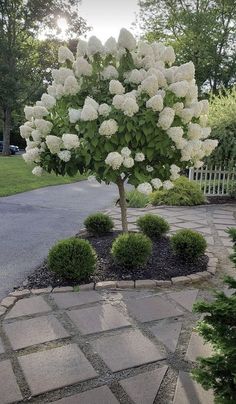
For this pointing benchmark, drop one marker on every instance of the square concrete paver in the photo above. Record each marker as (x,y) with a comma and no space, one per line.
(70,299)
(151,308)
(24,333)
(9,389)
(188,391)
(143,388)
(28,306)
(101,395)
(2,350)
(168,333)
(55,368)
(126,350)
(197,347)
(98,318)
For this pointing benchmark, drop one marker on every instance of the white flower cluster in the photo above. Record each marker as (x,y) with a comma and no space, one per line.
(151,91)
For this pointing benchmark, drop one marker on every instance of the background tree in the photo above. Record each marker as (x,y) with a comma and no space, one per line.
(24,59)
(203,31)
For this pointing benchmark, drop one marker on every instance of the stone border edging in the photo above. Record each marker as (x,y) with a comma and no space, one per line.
(9,301)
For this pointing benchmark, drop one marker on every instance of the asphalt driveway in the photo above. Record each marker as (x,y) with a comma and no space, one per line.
(32,221)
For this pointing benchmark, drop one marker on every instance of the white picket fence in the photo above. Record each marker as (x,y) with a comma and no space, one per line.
(214,180)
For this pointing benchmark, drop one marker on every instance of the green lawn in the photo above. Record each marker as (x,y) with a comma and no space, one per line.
(16,176)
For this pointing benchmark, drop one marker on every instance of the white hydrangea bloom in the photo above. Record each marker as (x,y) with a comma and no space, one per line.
(111,46)
(168,185)
(29,112)
(38,171)
(91,101)
(159,75)
(108,128)
(36,135)
(130,106)
(148,62)
(198,164)
(71,86)
(52,90)
(74,115)
(64,155)
(43,126)
(88,113)
(205,107)
(115,87)
(126,40)
(145,188)
(125,152)
(94,46)
(168,55)
(186,114)
(70,141)
(48,101)
(65,54)
(118,101)
(25,131)
(31,145)
(59,91)
(178,106)
(209,145)
(155,103)
(185,72)
(31,155)
(145,49)
(54,143)
(114,160)
(174,170)
(39,104)
(192,94)
(150,85)
(194,131)
(156,183)
(81,48)
(104,109)
(82,67)
(180,88)
(135,76)
(166,118)
(149,169)
(39,112)
(109,73)
(206,132)
(61,75)
(128,162)
(197,109)
(203,120)
(170,74)
(139,157)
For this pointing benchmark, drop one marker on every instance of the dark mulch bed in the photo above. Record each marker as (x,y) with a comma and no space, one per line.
(220,200)
(162,265)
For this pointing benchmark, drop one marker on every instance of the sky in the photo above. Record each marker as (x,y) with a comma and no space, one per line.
(107,17)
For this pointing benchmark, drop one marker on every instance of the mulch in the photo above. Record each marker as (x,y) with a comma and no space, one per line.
(162,265)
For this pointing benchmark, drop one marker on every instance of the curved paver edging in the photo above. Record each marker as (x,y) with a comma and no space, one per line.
(12,297)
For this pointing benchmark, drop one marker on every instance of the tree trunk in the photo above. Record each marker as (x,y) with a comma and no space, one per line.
(123,205)
(6,131)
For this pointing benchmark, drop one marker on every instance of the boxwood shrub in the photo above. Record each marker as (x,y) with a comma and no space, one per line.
(153,226)
(98,224)
(188,244)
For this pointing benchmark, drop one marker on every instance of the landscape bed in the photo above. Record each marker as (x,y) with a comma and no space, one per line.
(162,265)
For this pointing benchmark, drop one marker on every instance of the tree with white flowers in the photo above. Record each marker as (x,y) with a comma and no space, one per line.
(121,112)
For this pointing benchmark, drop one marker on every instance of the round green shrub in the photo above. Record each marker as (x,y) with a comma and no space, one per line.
(131,250)
(153,226)
(188,244)
(73,258)
(184,193)
(98,224)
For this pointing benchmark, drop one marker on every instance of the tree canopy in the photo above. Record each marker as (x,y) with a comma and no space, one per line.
(203,31)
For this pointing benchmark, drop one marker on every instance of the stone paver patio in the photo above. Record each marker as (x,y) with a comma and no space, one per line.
(113,346)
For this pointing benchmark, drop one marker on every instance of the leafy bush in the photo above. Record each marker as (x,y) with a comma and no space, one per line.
(222,119)
(98,223)
(131,250)
(153,226)
(232,190)
(218,371)
(136,199)
(184,193)
(72,258)
(188,244)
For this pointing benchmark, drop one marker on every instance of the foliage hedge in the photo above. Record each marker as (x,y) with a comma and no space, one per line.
(72,258)
(188,244)
(184,193)
(98,223)
(131,250)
